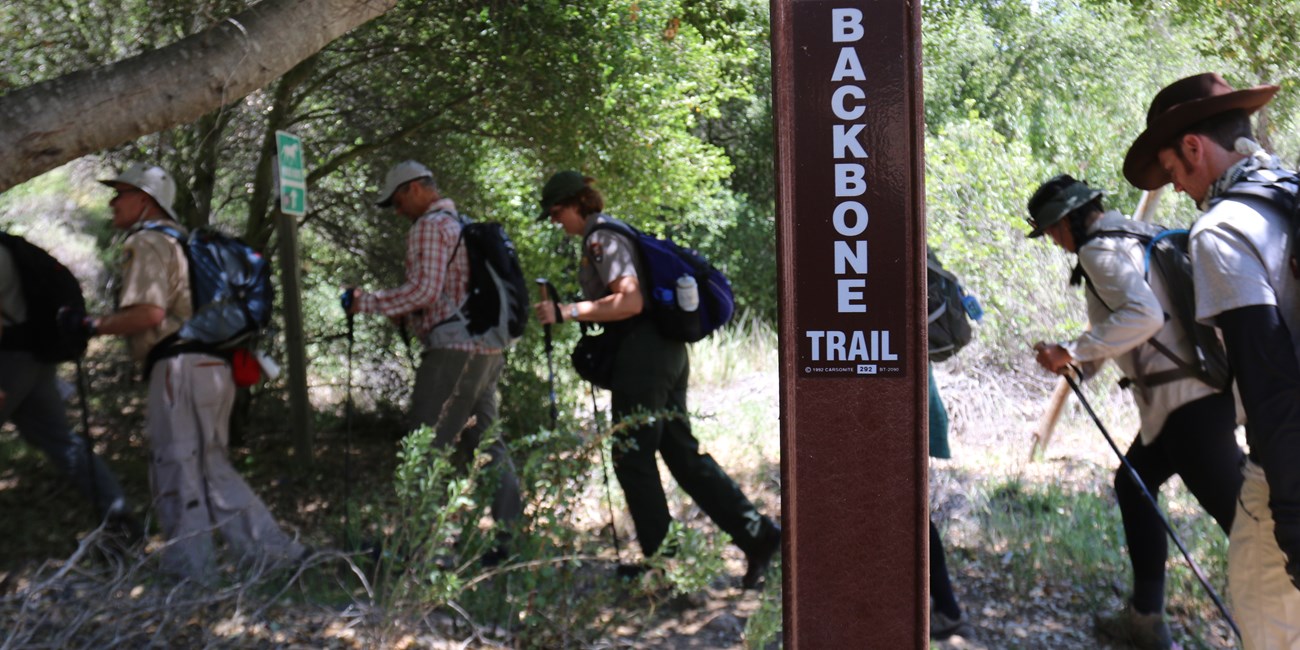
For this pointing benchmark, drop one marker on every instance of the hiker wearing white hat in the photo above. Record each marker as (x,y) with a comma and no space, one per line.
(456,381)
(195,489)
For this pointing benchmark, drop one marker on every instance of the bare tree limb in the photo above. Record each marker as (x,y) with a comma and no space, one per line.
(50,123)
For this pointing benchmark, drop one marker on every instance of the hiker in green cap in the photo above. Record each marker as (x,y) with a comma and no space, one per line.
(650,374)
(1187,424)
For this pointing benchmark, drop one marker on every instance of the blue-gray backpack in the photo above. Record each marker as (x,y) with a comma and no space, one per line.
(948,325)
(667,263)
(48,287)
(230,289)
(1282,189)
(1166,251)
(495,310)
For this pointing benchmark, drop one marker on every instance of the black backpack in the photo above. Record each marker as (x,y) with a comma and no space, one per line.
(1166,250)
(949,322)
(496,306)
(48,287)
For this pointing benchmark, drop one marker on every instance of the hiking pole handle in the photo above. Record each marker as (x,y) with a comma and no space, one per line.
(1069,375)
(550,294)
(345,300)
(544,286)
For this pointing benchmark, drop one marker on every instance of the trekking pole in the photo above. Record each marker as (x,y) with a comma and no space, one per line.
(547,291)
(346,300)
(1133,473)
(609,494)
(82,391)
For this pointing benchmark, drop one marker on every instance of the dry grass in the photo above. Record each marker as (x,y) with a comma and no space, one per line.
(1035,548)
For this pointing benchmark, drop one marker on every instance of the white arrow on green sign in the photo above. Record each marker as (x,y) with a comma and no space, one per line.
(293,180)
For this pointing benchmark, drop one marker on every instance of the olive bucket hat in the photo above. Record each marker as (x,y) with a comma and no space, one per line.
(562,186)
(1055,199)
(1177,108)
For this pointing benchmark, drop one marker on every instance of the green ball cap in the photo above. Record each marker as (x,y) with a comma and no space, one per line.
(563,185)
(1067,200)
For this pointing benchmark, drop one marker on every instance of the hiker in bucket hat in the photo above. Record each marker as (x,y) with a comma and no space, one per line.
(1187,425)
(1199,138)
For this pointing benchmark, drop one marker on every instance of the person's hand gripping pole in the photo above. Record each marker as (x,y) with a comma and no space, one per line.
(548,291)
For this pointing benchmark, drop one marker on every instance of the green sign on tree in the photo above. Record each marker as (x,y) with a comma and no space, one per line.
(293,180)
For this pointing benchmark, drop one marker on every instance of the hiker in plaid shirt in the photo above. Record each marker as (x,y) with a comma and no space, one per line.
(456,382)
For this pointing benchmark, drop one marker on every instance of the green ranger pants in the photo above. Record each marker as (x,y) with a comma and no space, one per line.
(650,377)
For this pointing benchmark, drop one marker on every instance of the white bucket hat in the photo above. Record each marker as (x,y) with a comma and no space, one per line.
(403,172)
(152,180)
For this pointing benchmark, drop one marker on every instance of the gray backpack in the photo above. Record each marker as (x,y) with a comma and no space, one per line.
(1166,251)
(949,322)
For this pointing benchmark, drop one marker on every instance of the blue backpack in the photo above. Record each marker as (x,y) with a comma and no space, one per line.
(666,262)
(230,288)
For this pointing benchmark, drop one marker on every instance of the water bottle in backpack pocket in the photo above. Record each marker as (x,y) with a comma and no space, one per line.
(689,298)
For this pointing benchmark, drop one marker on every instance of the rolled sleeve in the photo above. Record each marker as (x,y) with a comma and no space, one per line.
(428,247)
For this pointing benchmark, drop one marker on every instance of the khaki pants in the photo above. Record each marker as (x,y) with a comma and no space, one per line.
(195,489)
(1266,605)
(451,386)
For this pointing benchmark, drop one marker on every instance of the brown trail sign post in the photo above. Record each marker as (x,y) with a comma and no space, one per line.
(851,240)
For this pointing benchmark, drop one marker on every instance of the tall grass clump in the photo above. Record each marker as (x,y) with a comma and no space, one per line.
(745,346)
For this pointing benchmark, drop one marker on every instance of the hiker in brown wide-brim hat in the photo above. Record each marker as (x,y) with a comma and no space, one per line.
(1178,107)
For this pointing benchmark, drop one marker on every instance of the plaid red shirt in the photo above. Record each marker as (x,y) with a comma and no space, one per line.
(433,289)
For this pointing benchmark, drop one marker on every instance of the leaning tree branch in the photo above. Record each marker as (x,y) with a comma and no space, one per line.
(47,124)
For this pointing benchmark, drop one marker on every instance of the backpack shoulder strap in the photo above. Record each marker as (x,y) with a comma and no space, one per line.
(170,231)
(1281,190)
(459,218)
(1139,230)
(932,264)
(616,226)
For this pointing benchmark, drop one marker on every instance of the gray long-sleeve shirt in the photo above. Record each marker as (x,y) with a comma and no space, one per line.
(1125,310)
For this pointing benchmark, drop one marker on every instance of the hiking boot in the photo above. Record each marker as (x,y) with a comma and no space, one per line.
(1143,631)
(123,528)
(495,556)
(630,572)
(761,559)
(943,626)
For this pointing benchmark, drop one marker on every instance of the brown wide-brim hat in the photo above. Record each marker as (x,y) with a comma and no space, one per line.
(1176,108)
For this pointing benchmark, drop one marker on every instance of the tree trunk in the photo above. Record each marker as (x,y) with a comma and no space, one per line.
(210,133)
(47,124)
